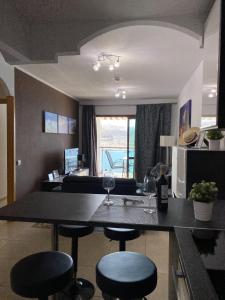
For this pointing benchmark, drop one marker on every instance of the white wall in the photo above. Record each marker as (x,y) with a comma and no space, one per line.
(7,76)
(193,90)
(128,110)
(3,151)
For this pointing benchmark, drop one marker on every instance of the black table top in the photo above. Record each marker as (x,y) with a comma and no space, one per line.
(54,208)
(180,214)
(72,208)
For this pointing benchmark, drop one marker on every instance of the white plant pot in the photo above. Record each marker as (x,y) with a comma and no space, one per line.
(214,145)
(203,211)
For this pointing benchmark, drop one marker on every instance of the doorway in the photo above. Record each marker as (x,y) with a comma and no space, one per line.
(116,145)
(7,146)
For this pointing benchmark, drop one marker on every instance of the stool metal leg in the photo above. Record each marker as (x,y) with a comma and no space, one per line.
(54,237)
(80,288)
(122,245)
(74,253)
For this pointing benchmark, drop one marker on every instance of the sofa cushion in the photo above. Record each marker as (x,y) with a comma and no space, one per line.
(93,185)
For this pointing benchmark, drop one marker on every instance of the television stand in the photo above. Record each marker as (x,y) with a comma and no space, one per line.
(55,184)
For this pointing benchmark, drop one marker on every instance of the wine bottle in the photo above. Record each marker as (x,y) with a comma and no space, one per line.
(162,189)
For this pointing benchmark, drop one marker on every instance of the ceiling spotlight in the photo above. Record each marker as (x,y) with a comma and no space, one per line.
(117,94)
(111,67)
(213,91)
(210,95)
(123,92)
(124,96)
(117,63)
(96,67)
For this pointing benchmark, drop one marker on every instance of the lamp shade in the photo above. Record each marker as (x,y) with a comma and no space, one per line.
(167,140)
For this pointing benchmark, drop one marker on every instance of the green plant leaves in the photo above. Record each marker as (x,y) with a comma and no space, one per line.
(203,191)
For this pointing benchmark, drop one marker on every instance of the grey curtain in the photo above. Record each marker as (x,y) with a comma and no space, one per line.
(152,120)
(89,138)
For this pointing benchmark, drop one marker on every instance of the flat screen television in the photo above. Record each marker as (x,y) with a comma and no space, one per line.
(70,160)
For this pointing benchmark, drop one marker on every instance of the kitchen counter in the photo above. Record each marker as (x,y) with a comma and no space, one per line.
(194,271)
(71,208)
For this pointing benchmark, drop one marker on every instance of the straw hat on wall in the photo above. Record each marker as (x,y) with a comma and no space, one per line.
(190,136)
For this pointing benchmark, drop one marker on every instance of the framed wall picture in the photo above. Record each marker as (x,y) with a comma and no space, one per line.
(72,125)
(62,124)
(50,122)
(185,117)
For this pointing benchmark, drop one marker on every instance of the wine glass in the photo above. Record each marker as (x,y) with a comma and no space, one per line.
(149,189)
(108,184)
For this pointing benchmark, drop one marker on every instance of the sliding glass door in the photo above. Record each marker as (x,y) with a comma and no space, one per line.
(115,142)
(131,146)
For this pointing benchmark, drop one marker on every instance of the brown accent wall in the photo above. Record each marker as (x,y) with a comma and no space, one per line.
(39,152)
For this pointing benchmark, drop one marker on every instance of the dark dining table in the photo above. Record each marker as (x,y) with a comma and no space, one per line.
(88,209)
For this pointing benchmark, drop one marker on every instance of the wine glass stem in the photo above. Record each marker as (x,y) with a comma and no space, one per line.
(108,195)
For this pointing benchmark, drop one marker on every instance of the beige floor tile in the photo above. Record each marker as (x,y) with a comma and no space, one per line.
(6,265)
(161,291)
(37,234)
(157,245)
(19,249)
(7,294)
(91,249)
(21,239)
(13,230)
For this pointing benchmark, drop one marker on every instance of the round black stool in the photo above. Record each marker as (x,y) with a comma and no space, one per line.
(82,287)
(122,235)
(126,275)
(42,274)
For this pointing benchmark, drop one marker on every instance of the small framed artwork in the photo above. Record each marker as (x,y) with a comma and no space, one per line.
(50,122)
(62,124)
(55,173)
(185,117)
(72,125)
(50,177)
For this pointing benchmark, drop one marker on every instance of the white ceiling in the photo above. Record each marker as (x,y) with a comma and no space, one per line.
(37,12)
(156,62)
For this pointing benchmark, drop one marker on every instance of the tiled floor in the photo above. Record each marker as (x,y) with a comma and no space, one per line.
(21,239)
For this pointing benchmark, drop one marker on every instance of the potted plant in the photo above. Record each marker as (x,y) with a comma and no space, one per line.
(214,136)
(203,195)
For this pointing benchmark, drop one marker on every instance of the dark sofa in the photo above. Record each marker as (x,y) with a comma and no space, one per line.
(93,185)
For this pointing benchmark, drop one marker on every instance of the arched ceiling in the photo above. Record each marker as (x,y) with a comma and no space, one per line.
(156,62)
(34,31)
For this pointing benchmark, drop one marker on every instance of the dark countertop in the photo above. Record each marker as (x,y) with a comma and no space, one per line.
(180,214)
(197,277)
(72,208)
(53,208)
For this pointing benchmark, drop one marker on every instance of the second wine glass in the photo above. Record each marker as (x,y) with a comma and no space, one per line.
(149,189)
(108,183)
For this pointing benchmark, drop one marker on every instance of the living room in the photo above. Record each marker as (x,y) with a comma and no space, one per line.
(123,80)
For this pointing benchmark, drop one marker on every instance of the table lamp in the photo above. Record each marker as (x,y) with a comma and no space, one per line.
(167,141)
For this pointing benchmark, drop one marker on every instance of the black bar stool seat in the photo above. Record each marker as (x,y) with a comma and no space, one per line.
(41,274)
(81,288)
(122,235)
(74,230)
(126,275)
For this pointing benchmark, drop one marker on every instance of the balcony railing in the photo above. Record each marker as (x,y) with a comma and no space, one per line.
(118,158)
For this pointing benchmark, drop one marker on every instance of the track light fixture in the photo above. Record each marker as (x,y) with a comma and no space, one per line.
(112,61)
(120,94)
